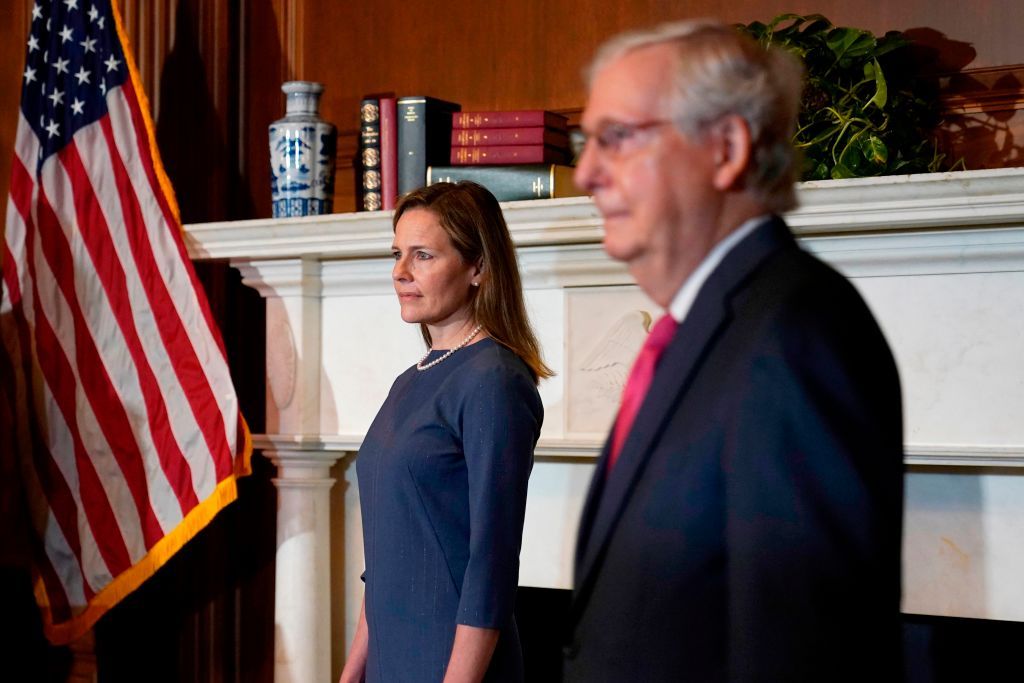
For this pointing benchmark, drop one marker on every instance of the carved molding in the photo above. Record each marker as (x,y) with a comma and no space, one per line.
(577,265)
(968,199)
(281,277)
(930,455)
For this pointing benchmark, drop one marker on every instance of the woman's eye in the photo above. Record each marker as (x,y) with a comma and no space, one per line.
(422,255)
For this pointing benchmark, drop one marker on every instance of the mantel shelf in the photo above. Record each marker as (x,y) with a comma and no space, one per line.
(962,199)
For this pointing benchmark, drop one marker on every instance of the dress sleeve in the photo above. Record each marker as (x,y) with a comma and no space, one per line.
(500,424)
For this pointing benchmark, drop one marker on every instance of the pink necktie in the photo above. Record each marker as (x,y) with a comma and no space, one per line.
(639,382)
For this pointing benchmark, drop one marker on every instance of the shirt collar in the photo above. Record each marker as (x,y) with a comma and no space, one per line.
(686,295)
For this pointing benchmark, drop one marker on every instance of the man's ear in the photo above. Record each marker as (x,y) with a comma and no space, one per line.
(731,142)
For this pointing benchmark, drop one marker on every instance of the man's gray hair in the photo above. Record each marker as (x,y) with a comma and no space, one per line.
(720,71)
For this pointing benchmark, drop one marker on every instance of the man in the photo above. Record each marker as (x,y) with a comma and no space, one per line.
(744,520)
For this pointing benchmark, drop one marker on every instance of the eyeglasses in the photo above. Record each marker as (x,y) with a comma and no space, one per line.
(614,136)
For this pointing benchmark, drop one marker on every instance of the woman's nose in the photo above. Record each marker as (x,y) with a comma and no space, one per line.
(400,272)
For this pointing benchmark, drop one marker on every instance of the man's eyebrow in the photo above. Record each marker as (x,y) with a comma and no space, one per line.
(605,122)
(598,125)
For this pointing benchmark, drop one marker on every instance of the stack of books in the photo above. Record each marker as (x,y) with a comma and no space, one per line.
(492,138)
(515,154)
(399,138)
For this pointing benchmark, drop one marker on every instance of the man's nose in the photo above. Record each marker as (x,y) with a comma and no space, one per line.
(587,168)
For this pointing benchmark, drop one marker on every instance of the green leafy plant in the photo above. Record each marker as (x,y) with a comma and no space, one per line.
(863,112)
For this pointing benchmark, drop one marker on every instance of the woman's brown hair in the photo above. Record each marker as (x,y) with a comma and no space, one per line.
(472,219)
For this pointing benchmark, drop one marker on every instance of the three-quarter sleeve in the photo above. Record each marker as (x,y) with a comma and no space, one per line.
(500,424)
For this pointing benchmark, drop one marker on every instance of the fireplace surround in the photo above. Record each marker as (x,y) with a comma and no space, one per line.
(938,257)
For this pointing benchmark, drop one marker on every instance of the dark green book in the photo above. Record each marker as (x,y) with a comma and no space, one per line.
(424,138)
(511,183)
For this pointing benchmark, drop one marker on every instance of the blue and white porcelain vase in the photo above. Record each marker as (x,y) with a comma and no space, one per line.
(302,147)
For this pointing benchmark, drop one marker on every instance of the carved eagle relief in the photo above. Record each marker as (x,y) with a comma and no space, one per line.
(612,356)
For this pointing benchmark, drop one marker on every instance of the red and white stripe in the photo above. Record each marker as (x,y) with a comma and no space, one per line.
(124,411)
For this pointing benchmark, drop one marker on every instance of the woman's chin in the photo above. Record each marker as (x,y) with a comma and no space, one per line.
(407,311)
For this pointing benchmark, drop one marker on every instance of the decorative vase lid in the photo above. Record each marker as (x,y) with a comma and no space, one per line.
(301,97)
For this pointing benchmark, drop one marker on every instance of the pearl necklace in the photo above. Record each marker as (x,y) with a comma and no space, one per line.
(421,367)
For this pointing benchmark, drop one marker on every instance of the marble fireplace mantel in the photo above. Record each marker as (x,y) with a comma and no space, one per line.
(939,258)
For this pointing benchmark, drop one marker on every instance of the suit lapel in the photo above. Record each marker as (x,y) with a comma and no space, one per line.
(709,313)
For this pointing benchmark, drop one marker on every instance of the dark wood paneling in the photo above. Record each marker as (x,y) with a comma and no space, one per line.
(198,107)
(267,37)
(484,55)
(13,34)
(530,53)
(149,25)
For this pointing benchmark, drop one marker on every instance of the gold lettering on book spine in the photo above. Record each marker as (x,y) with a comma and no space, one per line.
(369,112)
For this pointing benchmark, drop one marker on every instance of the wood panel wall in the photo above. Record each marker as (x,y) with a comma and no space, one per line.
(216,65)
(13,34)
(529,53)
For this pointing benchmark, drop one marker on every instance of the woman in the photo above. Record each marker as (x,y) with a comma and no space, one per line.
(444,467)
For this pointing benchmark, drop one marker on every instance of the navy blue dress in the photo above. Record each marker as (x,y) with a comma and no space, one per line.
(442,476)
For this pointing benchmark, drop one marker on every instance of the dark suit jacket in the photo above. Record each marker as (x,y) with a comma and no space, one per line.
(750,530)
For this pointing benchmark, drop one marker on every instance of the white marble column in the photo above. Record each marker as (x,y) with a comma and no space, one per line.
(302,597)
(302,591)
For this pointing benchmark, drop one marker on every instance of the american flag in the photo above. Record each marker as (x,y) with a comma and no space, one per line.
(113,378)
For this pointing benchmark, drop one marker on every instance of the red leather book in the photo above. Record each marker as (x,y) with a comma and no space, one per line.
(533,135)
(388,153)
(508,154)
(509,119)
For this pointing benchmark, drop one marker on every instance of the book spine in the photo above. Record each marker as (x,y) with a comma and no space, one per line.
(507,154)
(510,119)
(512,183)
(369,154)
(412,143)
(534,135)
(388,152)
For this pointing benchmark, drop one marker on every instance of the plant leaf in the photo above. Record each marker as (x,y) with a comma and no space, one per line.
(841,171)
(874,150)
(862,112)
(839,40)
(863,45)
(848,43)
(786,17)
(881,88)
(820,171)
(819,24)
(893,40)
